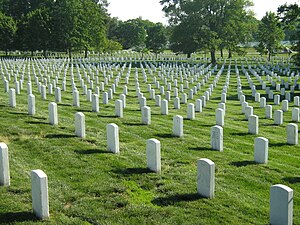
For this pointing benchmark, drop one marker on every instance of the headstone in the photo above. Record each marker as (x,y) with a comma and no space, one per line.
(146,115)
(285,105)
(153,155)
(253,124)
(53,117)
(4,165)
(261,146)
(191,111)
(248,112)
(292,134)
(295,115)
(89,95)
(268,112)
(157,100)
(281,205)
(12,98)
(220,117)
(123,99)
(217,138)
(80,124)
(39,190)
(297,101)
(278,117)
(223,97)
(112,133)
(119,108)
(76,100)
(105,98)
(198,105)
(206,178)
(183,98)
(31,104)
(276,99)
(262,102)
(257,97)
(95,103)
(57,95)
(176,103)
(178,126)
(164,107)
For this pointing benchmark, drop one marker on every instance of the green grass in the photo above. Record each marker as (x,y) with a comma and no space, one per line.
(88,185)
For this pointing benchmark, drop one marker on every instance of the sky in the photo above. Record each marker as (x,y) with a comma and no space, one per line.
(152,10)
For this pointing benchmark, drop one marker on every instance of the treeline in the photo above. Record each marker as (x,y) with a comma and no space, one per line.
(198,25)
(73,25)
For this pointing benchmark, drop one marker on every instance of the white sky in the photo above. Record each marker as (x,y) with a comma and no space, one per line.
(152,10)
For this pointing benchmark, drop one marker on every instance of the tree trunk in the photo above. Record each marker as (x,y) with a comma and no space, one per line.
(85,52)
(269,57)
(229,54)
(6,52)
(45,53)
(70,54)
(221,51)
(189,55)
(32,53)
(213,57)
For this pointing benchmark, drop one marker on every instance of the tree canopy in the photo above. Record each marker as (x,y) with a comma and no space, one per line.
(270,33)
(208,24)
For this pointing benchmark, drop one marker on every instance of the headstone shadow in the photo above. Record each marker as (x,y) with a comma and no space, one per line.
(201,149)
(165,135)
(92,151)
(13,217)
(242,163)
(173,199)
(50,136)
(292,180)
(131,171)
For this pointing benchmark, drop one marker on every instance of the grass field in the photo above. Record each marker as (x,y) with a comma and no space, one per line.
(89,185)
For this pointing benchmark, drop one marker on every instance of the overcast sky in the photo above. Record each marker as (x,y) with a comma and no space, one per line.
(152,10)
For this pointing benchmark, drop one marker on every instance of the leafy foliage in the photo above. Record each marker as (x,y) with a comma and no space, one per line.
(270,33)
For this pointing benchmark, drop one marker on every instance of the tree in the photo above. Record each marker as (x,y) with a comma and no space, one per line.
(75,28)
(132,34)
(290,16)
(269,33)
(207,20)
(156,39)
(7,32)
(37,30)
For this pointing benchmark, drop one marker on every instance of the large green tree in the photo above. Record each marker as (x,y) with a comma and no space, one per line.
(290,16)
(78,25)
(270,34)
(207,21)
(156,39)
(7,32)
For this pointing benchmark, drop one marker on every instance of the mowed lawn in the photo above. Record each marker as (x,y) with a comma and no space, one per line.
(89,185)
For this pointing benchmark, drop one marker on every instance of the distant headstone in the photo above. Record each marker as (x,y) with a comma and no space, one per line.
(12,98)
(31,104)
